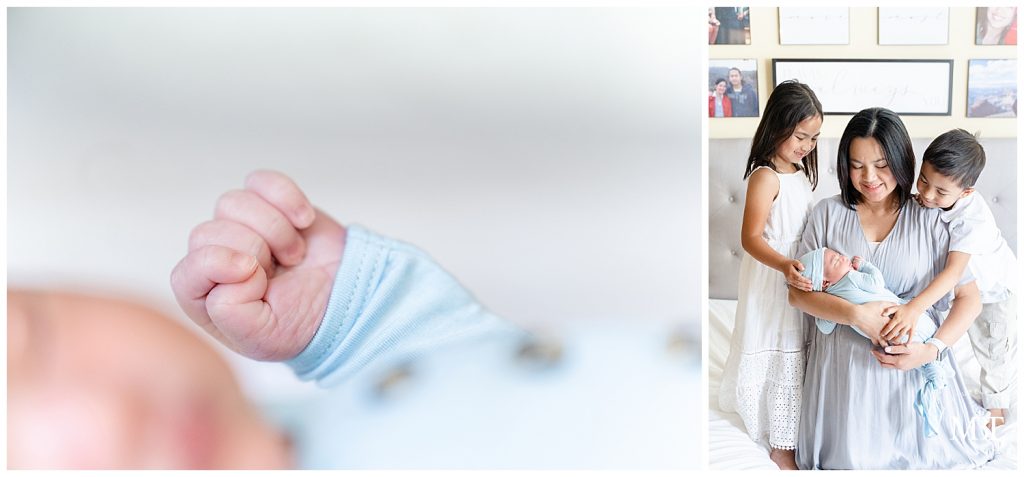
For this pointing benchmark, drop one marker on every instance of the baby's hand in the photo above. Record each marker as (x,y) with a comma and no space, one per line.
(903,320)
(258,276)
(855,262)
(794,278)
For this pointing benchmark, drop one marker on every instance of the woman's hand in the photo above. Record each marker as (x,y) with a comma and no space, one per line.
(906,356)
(795,278)
(870,319)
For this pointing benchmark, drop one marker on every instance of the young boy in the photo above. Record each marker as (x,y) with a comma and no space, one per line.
(949,169)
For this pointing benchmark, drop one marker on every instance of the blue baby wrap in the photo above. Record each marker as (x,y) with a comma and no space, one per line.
(421,377)
(390,300)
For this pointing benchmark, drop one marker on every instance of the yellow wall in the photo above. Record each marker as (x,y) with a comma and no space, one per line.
(764,45)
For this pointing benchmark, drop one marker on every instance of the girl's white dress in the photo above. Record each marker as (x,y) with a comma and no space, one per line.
(764,373)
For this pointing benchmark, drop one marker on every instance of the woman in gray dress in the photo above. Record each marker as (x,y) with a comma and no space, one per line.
(858,409)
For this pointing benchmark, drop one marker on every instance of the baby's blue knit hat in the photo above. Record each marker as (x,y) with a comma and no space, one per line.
(814,267)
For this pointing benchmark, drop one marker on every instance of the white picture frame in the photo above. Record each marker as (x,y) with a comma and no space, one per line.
(913,25)
(814,26)
(845,86)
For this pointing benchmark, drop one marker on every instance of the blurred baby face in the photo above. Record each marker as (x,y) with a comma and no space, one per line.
(836,266)
(101,384)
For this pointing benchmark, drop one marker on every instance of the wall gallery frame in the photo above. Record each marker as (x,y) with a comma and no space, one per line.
(913,26)
(814,26)
(845,86)
(992,89)
(995,26)
(740,77)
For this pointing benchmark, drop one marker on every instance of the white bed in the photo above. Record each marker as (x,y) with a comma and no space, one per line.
(728,444)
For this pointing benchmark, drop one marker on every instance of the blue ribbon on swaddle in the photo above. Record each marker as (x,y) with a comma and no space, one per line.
(926,403)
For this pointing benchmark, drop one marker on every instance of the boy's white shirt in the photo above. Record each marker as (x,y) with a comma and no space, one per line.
(973,230)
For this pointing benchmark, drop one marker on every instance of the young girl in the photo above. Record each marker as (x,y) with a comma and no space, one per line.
(764,372)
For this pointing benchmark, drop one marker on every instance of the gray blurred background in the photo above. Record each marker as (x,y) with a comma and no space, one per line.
(548,158)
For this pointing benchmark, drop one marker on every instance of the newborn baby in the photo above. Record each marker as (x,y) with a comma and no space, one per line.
(855,281)
(860,282)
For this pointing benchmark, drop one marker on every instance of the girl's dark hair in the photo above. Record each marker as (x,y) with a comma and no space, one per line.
(790,103)
(883,126)
(720,80)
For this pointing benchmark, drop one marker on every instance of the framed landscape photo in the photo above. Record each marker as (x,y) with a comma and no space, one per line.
(913,26)
(814,26)
(845,86)
(992,89)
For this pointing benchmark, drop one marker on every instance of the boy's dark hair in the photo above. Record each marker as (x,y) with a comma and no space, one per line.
(790,103)
(957,155)
(883,126)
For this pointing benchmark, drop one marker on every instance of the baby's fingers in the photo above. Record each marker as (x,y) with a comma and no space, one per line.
(282,193)
(202,270)
(239,313)
(232,235)
(251,210)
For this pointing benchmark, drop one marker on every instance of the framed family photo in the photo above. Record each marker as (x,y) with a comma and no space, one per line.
(992,89)
(732,88)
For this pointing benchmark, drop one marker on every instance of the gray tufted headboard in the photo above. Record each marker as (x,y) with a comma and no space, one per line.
(727,192)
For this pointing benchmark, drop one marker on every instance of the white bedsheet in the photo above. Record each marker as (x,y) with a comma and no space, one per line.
(728,444)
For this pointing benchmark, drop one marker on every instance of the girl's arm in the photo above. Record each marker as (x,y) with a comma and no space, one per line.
(905,316)
(762,188)
(966,307)
(866,317)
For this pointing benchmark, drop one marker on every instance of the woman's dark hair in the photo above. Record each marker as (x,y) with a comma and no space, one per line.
(721,80)
(790,103)
(883,126)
